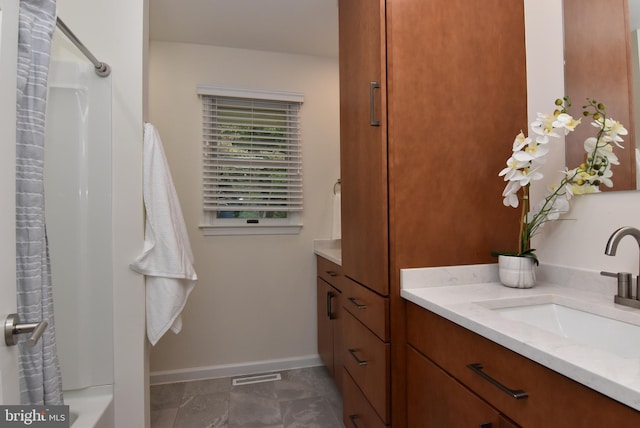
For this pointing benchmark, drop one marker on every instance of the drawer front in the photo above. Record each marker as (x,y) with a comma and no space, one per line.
(553,400)
(328,271)
(357,412)
(435,399)
(370,308)
(366,358)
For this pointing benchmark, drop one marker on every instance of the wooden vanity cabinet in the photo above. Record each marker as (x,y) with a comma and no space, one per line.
(432,93)
(365,246)
(440,348)
(330,314)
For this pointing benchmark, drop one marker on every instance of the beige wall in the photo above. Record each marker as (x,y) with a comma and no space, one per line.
(255,297)
(115,32)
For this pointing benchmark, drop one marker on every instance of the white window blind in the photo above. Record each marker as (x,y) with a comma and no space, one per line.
(252,157)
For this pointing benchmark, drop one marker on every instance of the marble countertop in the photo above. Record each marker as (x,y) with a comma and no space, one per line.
(466,295)
(330,249)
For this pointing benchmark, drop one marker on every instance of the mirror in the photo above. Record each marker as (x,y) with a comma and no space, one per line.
(600,37)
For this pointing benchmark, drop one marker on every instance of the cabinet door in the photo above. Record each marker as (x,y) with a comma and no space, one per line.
(435,399)
(453,67)
(363,147)
(326,304)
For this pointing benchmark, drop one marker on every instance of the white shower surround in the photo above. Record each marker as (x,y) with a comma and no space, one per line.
(78,204)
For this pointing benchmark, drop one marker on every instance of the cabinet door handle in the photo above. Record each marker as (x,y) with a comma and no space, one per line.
(487,425)
(356,304)
(329,308)
(518,394)
(353,419)
(358,360)
(330,273)
(372,104)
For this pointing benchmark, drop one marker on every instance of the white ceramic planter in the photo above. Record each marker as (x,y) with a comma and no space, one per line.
(517,272)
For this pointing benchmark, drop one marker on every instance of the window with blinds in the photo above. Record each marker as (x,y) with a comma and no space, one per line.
(252,158)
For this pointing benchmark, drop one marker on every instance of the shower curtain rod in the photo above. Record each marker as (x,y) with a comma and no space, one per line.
(102,68)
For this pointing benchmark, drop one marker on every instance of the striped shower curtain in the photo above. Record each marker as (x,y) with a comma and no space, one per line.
(40,378)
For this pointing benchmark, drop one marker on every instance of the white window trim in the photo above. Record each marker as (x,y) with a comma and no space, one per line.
(256,94)
(267,226)
(212,226)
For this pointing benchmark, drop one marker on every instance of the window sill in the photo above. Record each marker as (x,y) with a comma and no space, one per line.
(248,229)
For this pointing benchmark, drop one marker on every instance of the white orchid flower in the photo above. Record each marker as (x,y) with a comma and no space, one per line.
(605,177)
(512,166)
(510,194)
(511,200)
(543,127)
(532,152)
(526,176)
(584,189)
(567,122)
(612,130)
(568,191)
(520,141)
(559,207)
(604,151)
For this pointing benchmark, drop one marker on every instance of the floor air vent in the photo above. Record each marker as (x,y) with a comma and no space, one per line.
(256,379)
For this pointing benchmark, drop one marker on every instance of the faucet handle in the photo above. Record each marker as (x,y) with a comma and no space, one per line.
(625,282)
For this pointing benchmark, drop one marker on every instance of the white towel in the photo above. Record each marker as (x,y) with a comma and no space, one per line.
(166,260)
(336,225)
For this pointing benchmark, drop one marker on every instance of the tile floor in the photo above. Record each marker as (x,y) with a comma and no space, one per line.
(304,398)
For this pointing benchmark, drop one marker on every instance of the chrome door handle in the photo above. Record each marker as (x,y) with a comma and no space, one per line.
(13,327)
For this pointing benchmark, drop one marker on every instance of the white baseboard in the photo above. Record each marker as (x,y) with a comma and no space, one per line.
(227,370)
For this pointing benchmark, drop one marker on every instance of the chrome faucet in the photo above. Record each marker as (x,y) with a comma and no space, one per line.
(614,239)
(625,282)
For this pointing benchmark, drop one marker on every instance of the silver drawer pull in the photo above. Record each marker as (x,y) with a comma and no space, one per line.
(372,103)
(518,394)
(356,304)
(353,419)
(358,360)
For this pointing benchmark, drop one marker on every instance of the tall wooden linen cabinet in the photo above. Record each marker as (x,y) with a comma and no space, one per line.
(432,94)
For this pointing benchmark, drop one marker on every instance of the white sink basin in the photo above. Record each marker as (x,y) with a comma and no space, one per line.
(587,328)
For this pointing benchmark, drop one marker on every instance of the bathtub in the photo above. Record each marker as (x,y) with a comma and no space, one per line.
(91,407)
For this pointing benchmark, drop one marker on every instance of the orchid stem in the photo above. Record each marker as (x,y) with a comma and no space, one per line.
(525,210)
